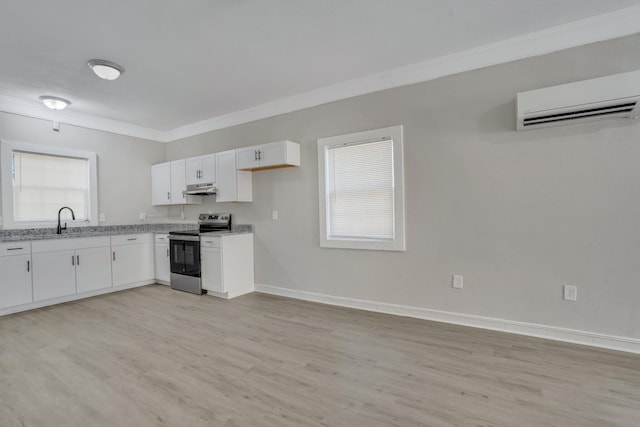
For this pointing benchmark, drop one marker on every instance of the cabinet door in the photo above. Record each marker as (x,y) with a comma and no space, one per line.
(247,158)
(212,269)
(163,265)
(54,274)
(132,263)
(208,169)
(271,154)
(93,269)
(178,182)
(232,185)
(193,166)
(15,285)
(226,184)
(161,184)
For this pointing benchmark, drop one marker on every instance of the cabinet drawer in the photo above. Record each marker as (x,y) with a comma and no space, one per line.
(211,242)
(131,239)
(15,248)
(69,244)
(162,238)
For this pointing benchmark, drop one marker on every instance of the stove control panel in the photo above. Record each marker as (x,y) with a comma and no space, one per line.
(219,218)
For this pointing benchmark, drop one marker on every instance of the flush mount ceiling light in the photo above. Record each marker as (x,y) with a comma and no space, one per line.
(54,102)
(106,69)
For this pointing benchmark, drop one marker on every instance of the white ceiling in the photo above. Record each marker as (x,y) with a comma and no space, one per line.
(198,65)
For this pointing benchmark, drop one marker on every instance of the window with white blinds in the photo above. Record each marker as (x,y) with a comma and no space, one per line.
(43,183)
(38,180)
(361,186)
(360,191)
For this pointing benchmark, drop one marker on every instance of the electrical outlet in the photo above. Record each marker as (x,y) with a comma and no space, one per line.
(143,216)
(274,215)
(570,293)
(102,217)
(457,281)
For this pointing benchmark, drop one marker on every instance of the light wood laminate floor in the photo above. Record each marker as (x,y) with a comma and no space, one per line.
(156,357)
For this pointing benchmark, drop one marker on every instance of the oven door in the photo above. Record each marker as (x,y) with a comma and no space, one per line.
(185,256)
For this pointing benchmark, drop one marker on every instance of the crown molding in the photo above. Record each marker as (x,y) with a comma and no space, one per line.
(37,110)
(607,26)
(594,29)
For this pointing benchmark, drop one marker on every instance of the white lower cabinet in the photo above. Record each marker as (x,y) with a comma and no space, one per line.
(93,269)
(227,264)
(63,267)
(54,274)
(212,268)
(15,274)
(132,258)
(163,259)
(42,272)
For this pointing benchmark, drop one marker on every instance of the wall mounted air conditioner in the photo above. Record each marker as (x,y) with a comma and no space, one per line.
(605,97)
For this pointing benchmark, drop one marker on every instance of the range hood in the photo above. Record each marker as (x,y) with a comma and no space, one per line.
(208,189)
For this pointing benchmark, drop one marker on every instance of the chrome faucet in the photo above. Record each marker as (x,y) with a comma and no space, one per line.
(73,216)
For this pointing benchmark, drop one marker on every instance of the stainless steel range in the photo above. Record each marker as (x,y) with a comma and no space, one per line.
(185,251)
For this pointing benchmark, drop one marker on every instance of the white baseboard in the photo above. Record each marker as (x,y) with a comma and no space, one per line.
(74,297)
(630,345)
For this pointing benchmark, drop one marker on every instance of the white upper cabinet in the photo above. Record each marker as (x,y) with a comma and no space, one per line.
(232,185)
(168,181)
(273,155)
(201,169)
(161,184)
(179,184)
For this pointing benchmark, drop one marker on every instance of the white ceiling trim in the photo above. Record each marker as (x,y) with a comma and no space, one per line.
(598,28)
(603,27)
(37,110)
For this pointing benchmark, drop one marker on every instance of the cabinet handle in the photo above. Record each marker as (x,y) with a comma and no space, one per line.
(14,249)
(114,255)
(77,259)
(255,155)
(28,265)
(133,238)
(73,260)
(167,252)
(259,154)
(168,196)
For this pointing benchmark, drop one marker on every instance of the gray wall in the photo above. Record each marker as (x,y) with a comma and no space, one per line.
(519,214)
(124,177)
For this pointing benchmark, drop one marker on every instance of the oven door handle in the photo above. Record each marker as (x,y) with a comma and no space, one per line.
(184,238)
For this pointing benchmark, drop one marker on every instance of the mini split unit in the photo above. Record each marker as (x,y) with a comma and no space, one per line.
(605,97)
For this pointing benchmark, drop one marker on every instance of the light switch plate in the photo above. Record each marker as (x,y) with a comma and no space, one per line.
(102,217)
(570,293)
(457,281)
(274,215)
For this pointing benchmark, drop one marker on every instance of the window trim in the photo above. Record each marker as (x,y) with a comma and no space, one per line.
(396,134)
(6,150)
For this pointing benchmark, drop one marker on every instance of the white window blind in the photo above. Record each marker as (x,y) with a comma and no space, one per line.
(360,191)
(43,183)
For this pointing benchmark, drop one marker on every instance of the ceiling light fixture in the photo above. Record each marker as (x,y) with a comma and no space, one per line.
(54,102)
(106,69)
